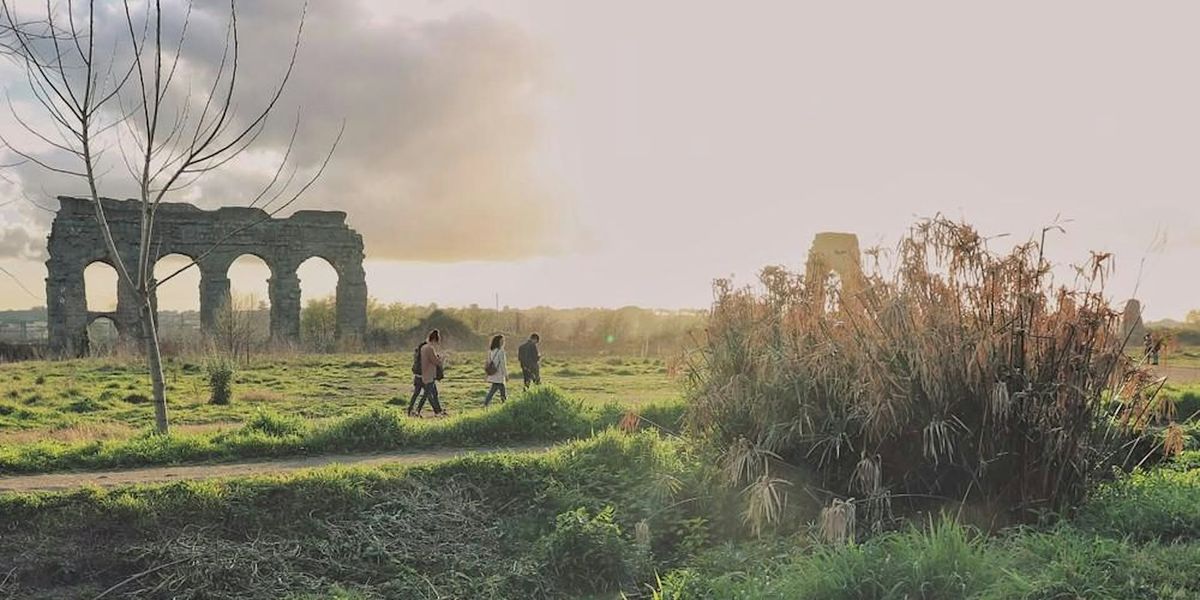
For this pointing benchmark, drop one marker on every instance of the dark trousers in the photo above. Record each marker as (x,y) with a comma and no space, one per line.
(431,394)
(532,375)
(416,393)
(496,387)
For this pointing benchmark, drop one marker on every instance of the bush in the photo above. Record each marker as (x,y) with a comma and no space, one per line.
(220,382)
(587,554)
(963,372)
(377,429)
(274,425)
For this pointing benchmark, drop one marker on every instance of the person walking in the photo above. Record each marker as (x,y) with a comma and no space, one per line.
(496,369)
(431,372)
(418,384)
(531,360)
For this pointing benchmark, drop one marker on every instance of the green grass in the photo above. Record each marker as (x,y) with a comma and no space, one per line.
(639,509)
(489,526)
(47,396)
(1138,537)
(945,560)
(541,415)
(1186,397)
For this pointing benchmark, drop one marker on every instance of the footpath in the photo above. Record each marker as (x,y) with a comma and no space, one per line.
(76,479)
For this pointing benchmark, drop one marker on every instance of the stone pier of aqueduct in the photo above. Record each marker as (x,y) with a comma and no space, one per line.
(215,238)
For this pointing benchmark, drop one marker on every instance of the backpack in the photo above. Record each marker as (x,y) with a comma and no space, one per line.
(490,367)
(416,366)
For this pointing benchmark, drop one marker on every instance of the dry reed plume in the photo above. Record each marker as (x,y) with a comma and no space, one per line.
(958,373)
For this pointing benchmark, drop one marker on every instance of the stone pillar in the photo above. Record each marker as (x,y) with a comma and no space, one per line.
(284,288)
(127,317)
(66,309)
(214,295)
(351,303)
(1133,330)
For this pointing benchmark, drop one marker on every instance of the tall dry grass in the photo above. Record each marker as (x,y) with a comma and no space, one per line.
(957,373)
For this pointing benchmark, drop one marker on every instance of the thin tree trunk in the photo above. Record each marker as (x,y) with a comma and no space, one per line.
(154,363)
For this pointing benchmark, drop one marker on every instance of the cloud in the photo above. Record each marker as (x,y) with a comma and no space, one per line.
(17,241)
(439,157)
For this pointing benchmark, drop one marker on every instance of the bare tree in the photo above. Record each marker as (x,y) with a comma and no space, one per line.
(130,98)
(242,327)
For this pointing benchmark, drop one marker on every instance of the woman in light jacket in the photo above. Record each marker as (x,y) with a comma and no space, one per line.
(497,363)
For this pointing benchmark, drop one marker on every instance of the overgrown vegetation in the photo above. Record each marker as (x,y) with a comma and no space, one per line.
(636,513)
(220,382)
(496,526)
(959,374)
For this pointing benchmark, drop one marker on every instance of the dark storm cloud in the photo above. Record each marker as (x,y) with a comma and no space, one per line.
(437,160)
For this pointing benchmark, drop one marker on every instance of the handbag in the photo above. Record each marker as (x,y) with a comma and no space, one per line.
(490,368)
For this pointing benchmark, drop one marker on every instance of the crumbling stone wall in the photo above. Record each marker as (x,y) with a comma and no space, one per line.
(282,243)
(837,253)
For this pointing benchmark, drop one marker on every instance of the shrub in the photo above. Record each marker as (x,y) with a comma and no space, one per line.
(274,425)
(377,429)
(961,371)
(587,554)
(220,382)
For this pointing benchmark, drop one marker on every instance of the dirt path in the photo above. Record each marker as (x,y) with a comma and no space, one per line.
(1179,373)
(70,480)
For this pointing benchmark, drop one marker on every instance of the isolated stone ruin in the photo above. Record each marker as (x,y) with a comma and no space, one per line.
(835,253)
(230,232)
(1132,327)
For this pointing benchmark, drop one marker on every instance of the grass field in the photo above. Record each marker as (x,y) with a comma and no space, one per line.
(616,512)
(98,399)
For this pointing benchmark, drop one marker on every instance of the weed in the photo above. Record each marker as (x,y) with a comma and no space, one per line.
(220,376)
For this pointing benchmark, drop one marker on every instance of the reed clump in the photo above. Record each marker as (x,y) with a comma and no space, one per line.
(954,372)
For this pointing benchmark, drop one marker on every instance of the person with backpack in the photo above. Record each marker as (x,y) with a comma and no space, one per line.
(427,361)
(418,385)
(531,360)
(496,369)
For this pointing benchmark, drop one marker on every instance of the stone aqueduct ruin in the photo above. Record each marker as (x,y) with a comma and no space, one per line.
(217,238)
(224,234)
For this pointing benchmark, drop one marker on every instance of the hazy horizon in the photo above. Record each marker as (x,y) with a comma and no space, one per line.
(571,154)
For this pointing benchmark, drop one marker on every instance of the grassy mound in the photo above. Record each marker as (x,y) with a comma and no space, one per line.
(542,415)
(495,526)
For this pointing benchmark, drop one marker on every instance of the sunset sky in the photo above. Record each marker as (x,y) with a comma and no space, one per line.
(572,153)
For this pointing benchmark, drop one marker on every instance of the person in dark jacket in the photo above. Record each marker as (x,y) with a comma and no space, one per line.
(530,360)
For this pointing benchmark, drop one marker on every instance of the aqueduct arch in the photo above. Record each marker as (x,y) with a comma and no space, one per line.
(224,234)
